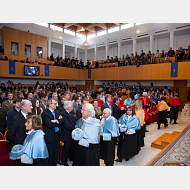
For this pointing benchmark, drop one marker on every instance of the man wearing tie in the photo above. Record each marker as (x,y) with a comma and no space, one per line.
(51,130)
(107,103)
(68,122)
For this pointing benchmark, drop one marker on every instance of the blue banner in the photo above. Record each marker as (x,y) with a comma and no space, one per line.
(89,73)
(11,67)
(47,70)
(174,69)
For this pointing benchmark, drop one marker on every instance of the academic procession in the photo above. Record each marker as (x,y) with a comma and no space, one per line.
(94,94)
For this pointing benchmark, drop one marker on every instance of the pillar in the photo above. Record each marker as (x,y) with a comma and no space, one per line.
(119,49)
(134,45)
(172,39)
(151,43)
(63,49)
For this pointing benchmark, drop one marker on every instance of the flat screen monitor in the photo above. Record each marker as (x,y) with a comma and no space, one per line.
(31,70)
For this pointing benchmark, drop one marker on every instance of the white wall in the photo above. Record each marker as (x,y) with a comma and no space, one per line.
(56,52)
(161,44)
(126,49)
(113,51)
(145,46)
(101,53)
(181,41)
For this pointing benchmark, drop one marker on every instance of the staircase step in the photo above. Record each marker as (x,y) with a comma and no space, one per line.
(164,140)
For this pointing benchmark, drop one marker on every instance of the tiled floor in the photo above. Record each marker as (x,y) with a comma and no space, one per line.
(147,152)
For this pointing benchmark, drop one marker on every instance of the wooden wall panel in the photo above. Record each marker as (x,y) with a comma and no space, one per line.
(54,72)
(182,85)
(160,71)
(22,38)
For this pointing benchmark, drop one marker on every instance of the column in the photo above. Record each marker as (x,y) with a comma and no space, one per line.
(107,49)
(119,49)
(85,56)
(172,39)
(151,43)
(95,53)
(134,45)
(49,47)
(75,53)
(63,49)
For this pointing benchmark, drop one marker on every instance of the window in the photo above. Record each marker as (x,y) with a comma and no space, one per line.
(14,48)
(27,50)
(139,24)
(101,33)
(91,36)
(113,29)
(42,24)
(80,35)
(69,32)
(53,27)
(39,52)
(124,26)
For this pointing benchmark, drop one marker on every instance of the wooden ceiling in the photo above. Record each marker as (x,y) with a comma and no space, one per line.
(89,28)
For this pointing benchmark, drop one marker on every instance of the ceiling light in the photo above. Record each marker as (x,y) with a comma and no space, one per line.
(82,29)
(138,31)
(60,37)
(86,44)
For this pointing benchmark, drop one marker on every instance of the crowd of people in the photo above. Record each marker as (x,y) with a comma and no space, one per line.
(41,117)
(67,62)
(181,54)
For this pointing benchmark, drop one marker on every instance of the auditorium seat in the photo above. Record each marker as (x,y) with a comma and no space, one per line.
(4,155)
(15,60)
(5,135)
(22,61)
(44,64)
(1,136)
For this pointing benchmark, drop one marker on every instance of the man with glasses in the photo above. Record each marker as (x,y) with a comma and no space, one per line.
(51,130)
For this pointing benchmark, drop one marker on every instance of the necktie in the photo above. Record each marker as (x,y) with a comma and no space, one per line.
(109,106)
(26,116)
(56,128)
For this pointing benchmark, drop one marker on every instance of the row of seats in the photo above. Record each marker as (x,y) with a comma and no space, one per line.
(4,153)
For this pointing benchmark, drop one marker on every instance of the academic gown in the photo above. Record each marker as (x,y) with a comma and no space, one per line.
(128,144)
(107,148)
(162,114)
(88,156)
(35,148)
(174,103)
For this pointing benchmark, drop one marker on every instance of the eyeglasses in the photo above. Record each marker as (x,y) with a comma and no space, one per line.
(54,103)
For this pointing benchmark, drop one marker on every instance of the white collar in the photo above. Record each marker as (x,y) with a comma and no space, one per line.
(24,114)
(29,132)
(85,120)
(107,118)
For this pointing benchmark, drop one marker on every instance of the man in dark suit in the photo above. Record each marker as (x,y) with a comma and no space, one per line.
(107,103)
(68,122)
(17,129)
(171,52)
(117,112)
(51,130)
(62,100)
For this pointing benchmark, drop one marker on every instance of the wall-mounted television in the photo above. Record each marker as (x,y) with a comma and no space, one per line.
(31,70)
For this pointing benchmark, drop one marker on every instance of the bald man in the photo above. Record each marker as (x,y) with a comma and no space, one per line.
(109,133)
